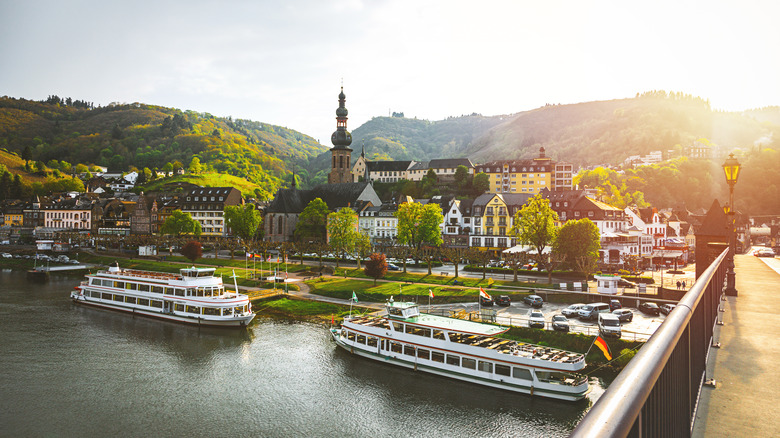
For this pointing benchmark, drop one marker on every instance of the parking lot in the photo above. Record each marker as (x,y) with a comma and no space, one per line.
(640,328)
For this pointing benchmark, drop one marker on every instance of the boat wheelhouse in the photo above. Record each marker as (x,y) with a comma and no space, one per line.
(464,350)
(193,296)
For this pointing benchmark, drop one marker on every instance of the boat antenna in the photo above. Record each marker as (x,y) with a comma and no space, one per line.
(235,281)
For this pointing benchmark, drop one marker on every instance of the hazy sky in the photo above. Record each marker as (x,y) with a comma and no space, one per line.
(282,62)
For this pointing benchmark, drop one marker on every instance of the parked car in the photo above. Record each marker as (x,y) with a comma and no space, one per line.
(609,325)
(650,308)
(666,308)
(625,283)
(536,319)
(624,315)
(590,312)
(572,309)
(485,301)
(614,304)
(764,252)
(392,267)
(7,256)
(560,323)
(503,300)
(533,300)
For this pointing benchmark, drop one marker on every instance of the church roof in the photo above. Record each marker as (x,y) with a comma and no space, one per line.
(335,196)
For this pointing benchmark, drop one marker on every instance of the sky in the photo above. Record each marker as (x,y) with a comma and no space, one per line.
(283,62)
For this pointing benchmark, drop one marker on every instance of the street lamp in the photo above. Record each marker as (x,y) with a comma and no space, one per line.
(731,168)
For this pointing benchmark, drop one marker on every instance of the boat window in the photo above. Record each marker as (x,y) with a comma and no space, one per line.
(193,309)
(157,289)
(179,307)
(200,292)
(485,366)
(351,336)
(521,373)
(143,302)
(396,347)
(238,310)
(503,370)
(437,357)
(169,291)
(118,297)
(397,326)
(439,334)
(423,353)
(179,292)
(372,341)
(119,284)
(210,311)
(384,345)
(95,281)
(157,304)
(227,311)
(394,311)
(143,287)
(409,350)
(95,294)
(131,286)
(469,363)
(106,296)
(108,283)
(130,300)
(453,360)
(361,339)
(419,331)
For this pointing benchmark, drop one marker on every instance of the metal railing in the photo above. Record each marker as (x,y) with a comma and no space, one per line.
(657,394)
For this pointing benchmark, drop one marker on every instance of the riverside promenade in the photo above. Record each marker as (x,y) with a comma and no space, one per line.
(745,401)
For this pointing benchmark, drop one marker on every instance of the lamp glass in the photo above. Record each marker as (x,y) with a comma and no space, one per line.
(731,168)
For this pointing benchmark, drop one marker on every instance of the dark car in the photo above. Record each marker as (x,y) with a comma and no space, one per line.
(624,315)
(560,323)
(485,301)
(503,300)
(533,300)
(392,267)
(614,305)
(650,308)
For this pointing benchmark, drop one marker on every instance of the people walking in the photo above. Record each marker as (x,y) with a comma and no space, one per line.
(678,284)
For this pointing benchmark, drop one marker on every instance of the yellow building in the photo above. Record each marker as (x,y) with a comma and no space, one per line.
(526,176)
(492,215)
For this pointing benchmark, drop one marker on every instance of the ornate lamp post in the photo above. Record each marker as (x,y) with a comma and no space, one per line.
(731,168)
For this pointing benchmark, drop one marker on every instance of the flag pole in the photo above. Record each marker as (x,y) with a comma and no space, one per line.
(591,346)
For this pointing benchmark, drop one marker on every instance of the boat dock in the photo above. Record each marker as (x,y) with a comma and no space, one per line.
(745,397)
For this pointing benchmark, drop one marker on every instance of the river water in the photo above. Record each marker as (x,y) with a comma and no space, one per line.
(70,370)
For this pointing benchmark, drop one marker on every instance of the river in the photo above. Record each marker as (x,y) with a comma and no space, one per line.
(71,370)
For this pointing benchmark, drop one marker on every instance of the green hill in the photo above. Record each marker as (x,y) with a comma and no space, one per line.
(119,136)
(247,188)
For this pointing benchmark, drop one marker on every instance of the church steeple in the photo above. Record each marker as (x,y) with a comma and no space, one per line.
(341,168)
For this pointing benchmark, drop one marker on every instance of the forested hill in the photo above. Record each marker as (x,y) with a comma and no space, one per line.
(119,136)
(607,132)
(590,133)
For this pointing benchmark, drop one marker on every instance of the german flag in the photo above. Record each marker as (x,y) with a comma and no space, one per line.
(602,344)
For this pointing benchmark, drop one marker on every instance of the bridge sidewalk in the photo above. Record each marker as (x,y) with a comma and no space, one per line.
(746,399)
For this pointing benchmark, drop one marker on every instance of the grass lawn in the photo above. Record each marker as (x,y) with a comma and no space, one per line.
(440,279)
(297,308)
(366,291)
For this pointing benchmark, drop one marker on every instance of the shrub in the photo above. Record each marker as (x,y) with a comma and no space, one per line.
(192,250)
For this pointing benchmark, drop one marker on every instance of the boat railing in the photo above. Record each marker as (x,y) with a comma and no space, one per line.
(144,274)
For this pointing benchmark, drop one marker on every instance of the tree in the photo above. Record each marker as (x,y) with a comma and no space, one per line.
(177,166)
(376,266)
(195,166)
(179,223)
(192,250)
(454,255)
(461,177)
(80,168)
(342,231)
(534,225)
(481,183)
(243,221)
(312,222)
(362,247)
(168,169)
(27,153)
(419,224)
(579,242)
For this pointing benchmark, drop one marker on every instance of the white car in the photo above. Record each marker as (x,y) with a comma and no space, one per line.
(572,309)
(6,255)
(536,319)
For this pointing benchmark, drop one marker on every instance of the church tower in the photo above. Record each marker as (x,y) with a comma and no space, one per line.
(340,169)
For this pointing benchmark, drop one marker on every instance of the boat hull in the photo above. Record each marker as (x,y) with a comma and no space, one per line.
(238,322)
(544,390)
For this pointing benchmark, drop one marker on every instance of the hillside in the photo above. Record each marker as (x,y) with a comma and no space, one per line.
(247,188)
(119,136)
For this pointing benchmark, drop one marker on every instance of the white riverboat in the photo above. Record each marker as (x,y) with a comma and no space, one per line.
(193,296)
(464,350)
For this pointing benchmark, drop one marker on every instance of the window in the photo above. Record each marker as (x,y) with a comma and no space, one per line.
(130,300)
(396,347)
(503,370)
(143,302)
(437,357)
(423,353)
(361,339)
(453,360)
(469,363)
(439,334)
(409,350)
(485,366)
(372,341)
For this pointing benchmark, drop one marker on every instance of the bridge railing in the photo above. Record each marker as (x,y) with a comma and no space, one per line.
(657,394)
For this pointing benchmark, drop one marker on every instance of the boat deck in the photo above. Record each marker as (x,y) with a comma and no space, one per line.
(143,274)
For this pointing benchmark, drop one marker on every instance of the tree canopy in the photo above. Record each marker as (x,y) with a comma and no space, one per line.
(179,223)
(342,231)
(579,243)
(419,224)
(243,221)
(534,225)
(312,221)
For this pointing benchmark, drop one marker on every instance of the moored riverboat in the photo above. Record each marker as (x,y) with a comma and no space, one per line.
(463,350)
(193,296)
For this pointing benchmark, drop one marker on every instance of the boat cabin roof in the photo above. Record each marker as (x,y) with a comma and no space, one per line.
(194,272)
(408,312)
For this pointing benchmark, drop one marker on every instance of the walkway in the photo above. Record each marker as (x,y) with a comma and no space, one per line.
(745,401)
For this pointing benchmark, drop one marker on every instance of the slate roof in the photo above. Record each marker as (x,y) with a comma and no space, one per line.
(446,163)
(510,199)
(335,196)
(388,166)
(715,223)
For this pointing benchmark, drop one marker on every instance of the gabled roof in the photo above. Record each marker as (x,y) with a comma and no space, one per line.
(446,163)
(335,196)
(510,199)
(715,223)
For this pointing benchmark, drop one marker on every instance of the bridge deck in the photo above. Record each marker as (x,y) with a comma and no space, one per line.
(746,398)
